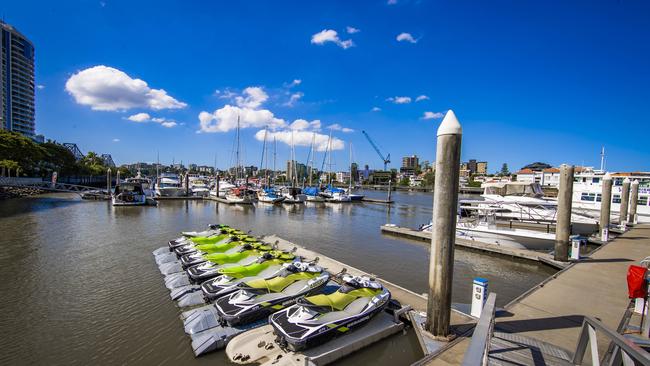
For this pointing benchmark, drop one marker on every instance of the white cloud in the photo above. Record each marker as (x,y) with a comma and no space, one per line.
(375,109)
(105,88)
(352,30)
(432,115)
(145,117)
(399,100)
(295,82)
(40,86)
(330,35)
(293,99)
(406,37)
(301,125)
(254,97)
(140,117)
(338,127)
(225,119)
(421,98)
(302,138)
(116,140)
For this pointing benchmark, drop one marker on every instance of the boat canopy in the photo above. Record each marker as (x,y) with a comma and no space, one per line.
(311,191)
(513,189)
(129,187)
(334,189)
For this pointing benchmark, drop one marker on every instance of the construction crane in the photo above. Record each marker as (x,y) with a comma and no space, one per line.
(385,159)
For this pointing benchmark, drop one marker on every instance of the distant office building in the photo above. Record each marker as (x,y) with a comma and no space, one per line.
(410,164)
(354,170)
(343,177)
(296,170)
(17,82)
(204,169)
(473,167)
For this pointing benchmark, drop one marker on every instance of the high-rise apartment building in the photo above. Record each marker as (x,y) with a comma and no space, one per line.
(16,81)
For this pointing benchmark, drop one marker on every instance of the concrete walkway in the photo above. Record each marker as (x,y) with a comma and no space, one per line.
(553,313)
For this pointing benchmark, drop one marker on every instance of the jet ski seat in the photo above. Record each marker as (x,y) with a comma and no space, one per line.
(290,290)
(354,308)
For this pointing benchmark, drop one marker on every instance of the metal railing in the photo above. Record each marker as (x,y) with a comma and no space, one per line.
(479,347)
(625,351)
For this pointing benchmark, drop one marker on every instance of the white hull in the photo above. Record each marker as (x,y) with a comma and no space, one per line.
(170,192)
(139,200)
(315,199)
(267,199)
(236,199)
(510,238)
(200,192)
(299,198)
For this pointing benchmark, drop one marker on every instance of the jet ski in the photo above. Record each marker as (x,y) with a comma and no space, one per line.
(216,247)
(241,249)
(315,319)
(207,270)
(212,228)
(256,299)
(212,238)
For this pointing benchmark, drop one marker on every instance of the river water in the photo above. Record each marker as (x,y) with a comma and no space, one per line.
(80,286)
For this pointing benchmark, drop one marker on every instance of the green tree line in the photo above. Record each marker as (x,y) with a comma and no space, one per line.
(20,155)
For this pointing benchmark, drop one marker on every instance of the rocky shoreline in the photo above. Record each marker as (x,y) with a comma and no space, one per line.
(17,192)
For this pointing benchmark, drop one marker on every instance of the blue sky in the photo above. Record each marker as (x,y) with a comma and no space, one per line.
(530,81)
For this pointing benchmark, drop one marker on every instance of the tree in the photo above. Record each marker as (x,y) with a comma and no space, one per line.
(20,149)
(9,165)
(405,181)
(504,170)
(429,179)
(58,158)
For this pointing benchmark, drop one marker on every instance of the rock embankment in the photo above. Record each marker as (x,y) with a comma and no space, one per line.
(15,192)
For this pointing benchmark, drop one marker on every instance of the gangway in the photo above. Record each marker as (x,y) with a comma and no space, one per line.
(45,185)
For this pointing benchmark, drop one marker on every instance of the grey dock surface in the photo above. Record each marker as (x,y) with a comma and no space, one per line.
(530,255)
(551,314)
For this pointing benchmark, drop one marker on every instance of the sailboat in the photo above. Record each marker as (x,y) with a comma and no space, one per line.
(238,194)
(267,194)
(333,194)
(293,194)
(312,193)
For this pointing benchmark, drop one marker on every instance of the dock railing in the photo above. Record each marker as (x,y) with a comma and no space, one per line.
(479,347)
(625,351)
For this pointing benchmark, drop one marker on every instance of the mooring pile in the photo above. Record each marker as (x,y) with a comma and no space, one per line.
(232,283)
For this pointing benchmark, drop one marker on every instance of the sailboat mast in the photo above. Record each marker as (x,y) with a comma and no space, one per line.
(275,145)
(238,167)
(329,160)
(310,163)
(350,184)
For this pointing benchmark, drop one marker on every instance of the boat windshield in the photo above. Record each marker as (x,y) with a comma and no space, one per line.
(128,188)
(527,190)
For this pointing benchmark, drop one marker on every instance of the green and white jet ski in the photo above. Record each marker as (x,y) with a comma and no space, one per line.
(248,307)
(214,253)
(316,319)
(207,270)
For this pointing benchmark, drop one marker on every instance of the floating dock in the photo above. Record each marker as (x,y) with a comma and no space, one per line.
(373,200)
(525,254)
(176,198)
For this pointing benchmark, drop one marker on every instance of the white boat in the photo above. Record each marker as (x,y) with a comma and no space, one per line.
(338,196)
(523,201)
(237,195)
(587,193)
(221,189)
(169,185)
(199,187)
(147,185)
(129,194)
(315,198)
(485,230)
(269,196)
(293,195)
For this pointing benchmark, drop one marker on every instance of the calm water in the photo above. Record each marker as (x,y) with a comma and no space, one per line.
(79,284)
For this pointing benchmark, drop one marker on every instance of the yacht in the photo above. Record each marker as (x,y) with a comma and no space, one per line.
(523,201)
(129,194)
(313,194)
(147,184)
(220,189)
(199,187)
(169,185)
(587,193)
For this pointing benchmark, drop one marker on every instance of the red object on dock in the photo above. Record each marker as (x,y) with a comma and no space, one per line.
(636,282)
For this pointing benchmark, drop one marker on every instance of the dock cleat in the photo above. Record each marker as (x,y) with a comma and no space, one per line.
(316,319)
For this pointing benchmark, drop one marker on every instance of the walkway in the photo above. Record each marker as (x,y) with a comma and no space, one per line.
(552,313)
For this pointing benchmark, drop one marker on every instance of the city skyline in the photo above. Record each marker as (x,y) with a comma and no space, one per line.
(548,94)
